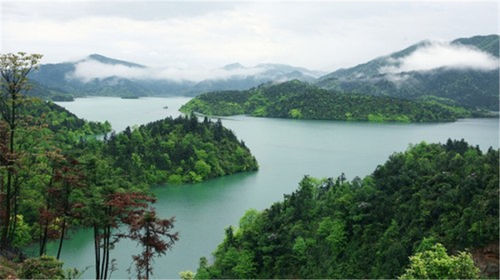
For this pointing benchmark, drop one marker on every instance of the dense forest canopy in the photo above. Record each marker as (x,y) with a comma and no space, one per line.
(169,150)
(59,172)
(179,150)
(300,100)
(368,228)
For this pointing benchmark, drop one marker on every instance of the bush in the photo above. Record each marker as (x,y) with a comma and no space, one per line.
(44,267)
(437,264)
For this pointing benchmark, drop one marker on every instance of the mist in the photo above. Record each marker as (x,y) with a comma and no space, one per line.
(442,55)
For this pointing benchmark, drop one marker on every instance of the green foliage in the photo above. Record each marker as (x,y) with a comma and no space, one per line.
(300,100)
(435,263)
(186,275)
(368,228)
(22,235)
(180,150)
(44,267)
(296,114)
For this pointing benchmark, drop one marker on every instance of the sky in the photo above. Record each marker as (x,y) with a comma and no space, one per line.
(322,35)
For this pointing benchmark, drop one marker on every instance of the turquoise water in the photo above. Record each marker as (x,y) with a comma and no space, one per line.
(286,151)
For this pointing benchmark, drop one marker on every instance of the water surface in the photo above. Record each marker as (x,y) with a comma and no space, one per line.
(285,149)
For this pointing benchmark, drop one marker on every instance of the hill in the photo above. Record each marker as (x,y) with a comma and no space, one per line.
(179,150)
(464,71)
(295,99)
(368,228)
(63,161)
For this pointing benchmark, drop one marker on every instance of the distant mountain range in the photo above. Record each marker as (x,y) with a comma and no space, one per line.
(97,75)
(462,72)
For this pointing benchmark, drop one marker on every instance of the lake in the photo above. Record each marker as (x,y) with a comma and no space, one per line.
(286,151)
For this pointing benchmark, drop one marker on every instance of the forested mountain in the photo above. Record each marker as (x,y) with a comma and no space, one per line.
(472,87)
(295,99)
(468,86)
(368,228)
(63,78)
(97,75)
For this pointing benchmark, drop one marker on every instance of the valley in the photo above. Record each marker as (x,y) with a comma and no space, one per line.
(249,140)
(285,149)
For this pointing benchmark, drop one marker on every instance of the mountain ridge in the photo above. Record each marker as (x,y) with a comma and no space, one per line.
(473,88)
(60,77)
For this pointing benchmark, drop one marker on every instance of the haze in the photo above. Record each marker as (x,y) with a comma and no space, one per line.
(202,35)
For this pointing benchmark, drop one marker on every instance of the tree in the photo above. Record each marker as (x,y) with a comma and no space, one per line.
(149,231)
(187,275)
(14,70)
(435,263)
(68,178)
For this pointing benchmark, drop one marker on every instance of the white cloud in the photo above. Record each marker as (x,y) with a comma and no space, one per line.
(190,35)
(91,69)
(443,55)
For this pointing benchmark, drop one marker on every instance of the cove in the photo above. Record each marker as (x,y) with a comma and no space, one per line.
(286,151)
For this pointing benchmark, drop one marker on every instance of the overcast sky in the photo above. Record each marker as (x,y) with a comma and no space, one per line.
(317,35)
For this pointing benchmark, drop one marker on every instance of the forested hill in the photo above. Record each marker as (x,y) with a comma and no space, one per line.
(179,150)
(368,228)
(169,150)
(471,87)
(57,124)
(295,99)
(62,169)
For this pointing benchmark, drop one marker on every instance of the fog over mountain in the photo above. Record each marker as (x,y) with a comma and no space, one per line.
(100,75)
(464,70)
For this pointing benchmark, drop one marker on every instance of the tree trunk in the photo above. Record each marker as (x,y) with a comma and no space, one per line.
(97,252)
(11,234)
(147,252)
(103,261)
(12,125)
(5,229)
(107,253)
(45,235)
(63,230)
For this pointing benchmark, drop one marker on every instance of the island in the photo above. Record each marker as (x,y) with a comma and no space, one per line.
(301,100)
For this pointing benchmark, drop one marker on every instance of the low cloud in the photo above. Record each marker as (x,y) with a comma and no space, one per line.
(442,55)
(89,69)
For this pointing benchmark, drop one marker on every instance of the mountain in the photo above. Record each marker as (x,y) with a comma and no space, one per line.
(98,75)
(488,43)
(66,79)
(397,75)
(107,60)
(248,77)
(301,100)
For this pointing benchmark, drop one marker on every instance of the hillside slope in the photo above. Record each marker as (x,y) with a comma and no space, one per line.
(471,87)
(295,99)
(368,228)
